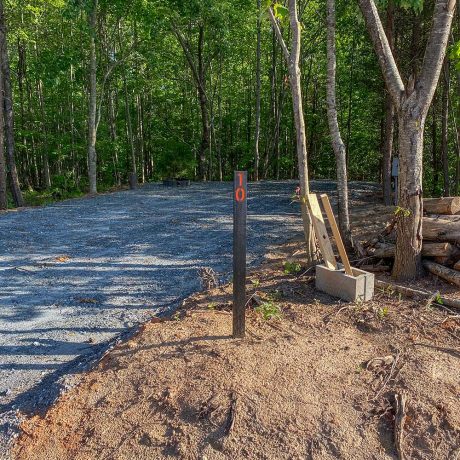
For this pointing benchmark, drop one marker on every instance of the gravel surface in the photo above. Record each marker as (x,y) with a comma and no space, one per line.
(77,274)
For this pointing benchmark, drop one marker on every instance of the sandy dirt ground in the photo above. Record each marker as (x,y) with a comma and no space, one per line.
(318,380)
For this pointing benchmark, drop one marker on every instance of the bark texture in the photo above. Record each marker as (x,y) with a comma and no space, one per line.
(3,187)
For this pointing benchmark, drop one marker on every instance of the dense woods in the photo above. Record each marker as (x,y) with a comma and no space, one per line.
(97,90)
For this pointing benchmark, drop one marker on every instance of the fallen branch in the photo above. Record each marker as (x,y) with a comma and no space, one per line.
(415,293)
(231,415)
(400,419)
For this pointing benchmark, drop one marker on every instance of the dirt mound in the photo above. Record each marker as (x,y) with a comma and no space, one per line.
(317,380)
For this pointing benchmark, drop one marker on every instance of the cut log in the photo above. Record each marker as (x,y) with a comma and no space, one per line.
(455,218)
(418,294)
(447,205)
(441,230)
(387,251)
(452,276)
(375,268)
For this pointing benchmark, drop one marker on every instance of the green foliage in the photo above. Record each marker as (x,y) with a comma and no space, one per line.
(280,11)
(269,310)
(175,160)
(292,268)
(415,5)
(382,313)
(49,49)
(402,212)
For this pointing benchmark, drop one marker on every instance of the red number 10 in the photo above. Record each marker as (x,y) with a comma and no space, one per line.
(240,193)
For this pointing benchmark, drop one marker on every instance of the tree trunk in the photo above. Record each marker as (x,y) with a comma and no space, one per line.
(3,186)
(8,111)
(292,59)
(258,89)
(412,104)
(46,176)
(337,142)
(92,105)
(445,127)
(388,134)
(203,106)
(408,260)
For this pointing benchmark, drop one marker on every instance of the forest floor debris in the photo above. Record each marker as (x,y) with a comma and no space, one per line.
(307,383)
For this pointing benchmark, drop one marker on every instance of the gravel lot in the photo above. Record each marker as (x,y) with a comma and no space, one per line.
(77,274)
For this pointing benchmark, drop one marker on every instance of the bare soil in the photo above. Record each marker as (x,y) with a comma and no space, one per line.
(319,381)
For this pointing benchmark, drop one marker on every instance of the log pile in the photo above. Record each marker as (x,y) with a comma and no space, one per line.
(441,239)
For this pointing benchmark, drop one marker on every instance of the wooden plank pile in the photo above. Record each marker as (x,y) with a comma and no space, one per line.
(441,239)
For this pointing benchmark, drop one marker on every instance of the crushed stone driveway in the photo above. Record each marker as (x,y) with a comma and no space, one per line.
(76,274)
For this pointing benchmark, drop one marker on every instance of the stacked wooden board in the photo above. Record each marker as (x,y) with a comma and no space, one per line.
(441,239)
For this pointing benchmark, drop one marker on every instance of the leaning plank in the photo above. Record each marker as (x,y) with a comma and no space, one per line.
(441,230)
(418,294)
(387,251)
(447,205)
(452,276)
(335,231)
(321,232)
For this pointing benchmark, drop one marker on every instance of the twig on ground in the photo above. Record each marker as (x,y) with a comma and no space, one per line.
(336,313)
(231,415)
(451,351)
(400,419)
(389,376)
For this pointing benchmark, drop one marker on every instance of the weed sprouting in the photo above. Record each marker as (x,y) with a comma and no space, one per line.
(269,310)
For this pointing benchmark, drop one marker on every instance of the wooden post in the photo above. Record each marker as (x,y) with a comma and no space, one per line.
(240,209)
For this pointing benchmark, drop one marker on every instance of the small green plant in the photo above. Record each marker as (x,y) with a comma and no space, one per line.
(212,306)
(255,283)
(269,310)
(176,317)
(382,313)
(292,268)
(359,369)
(402,212)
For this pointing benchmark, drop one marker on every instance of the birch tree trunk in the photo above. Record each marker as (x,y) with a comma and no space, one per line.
(389,117)
(258,89)
(292,58)
(412,103)
(337,142)
(92,105)
(445,127)
(8,111)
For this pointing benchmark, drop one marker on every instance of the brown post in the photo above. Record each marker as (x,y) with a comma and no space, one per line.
(240,208)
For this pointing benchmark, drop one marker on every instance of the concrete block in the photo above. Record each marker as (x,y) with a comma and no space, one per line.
(338,284)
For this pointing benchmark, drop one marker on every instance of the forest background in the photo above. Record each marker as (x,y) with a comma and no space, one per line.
(172,89)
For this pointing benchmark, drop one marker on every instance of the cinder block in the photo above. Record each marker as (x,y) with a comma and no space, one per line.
(338,284)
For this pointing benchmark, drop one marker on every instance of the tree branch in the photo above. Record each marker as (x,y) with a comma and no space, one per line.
(385,57)
(278,33)
(435,52)
(188,55)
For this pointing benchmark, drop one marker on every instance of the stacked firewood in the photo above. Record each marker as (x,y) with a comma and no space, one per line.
(441,239)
